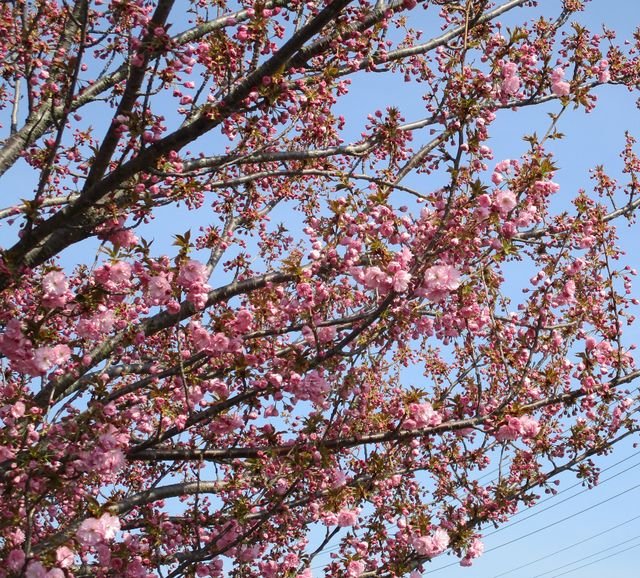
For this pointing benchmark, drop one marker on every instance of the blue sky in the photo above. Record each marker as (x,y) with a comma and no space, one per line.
(591,139)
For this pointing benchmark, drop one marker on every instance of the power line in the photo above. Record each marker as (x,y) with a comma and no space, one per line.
(508,525)
(579,483)
(565,518)
(586,557)
(596,561)
(568,547)
(548,525)
(509,460)
(555,504)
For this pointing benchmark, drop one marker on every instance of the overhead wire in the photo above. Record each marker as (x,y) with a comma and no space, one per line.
(596,561)
(569,547)
(555,504)
(583,558)
(569,517)
(547,526)
(507,525)
(509,460)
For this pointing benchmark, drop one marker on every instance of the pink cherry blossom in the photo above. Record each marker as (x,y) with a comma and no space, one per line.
(94,531)
(339,479)
(44,358)
(326,334)
(401,280)
(421,415)
(510,79)
(97,325)
(6,453)
(17,409)
(511,430)
(314,387)
(355,568)
(64,557)
(123,238)
(200,337)
(15,560)
(590,343)
(367,312)
(114,276)
(604,74)
(432,545)
(55,288)
(192,273)
(159,290)
(505,201)
(568,293)
(35,569)
(475,550)
(440,281)
(529,426)
(243,321)
(375,278)
(15,346)
(515,427)
(559,86)
(90,532)
(347,517)
(107,462)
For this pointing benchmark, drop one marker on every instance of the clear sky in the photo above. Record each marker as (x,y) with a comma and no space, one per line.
(590,139)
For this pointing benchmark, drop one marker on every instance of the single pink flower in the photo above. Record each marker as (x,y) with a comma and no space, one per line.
(604,75)
(243,321)
(439,282)
(510,79)
(64,557)
(529,426)
(401,280)
(509,430)
(511,85)
(158,290)
(15,560)
(347,518)
(55,287)
(475,550)
(559,86)
(431,546)
(355,568)
(375,278)
(94,531)
(35,569)
(6,453)
(17,409)
(505,201)
(192,273)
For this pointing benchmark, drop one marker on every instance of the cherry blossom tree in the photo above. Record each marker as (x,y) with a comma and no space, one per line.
(336,348)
